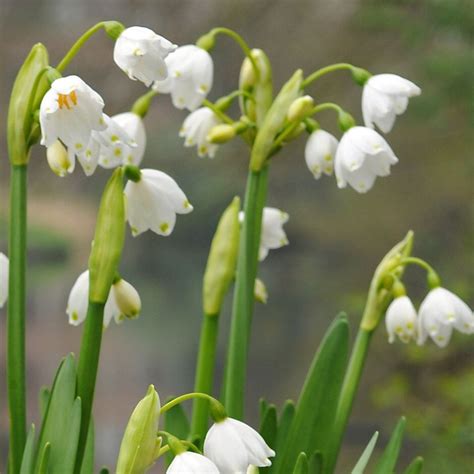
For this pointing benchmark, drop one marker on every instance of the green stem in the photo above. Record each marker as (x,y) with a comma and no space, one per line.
(241,42)
(348,391)
(236,369)
(16,379)
(204,374)
(224,117)
(185,397)
(327,106)
(87,370)
(326,70)
(78,45)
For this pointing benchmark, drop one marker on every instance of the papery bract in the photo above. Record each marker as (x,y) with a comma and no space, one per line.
(190,76)
(196,128)
(384,97)
(319,153)
(361,156)
(233,446)
(141,54)
(153,202)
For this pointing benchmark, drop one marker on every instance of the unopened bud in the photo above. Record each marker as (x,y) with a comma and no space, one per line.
(247,78)
(140,445)
(58,159)
(260,291)
(113,28)
(300,108)
(221,133)
(127,299)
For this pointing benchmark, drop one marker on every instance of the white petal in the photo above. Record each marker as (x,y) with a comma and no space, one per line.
(4,266)
(78,300)
(191,463)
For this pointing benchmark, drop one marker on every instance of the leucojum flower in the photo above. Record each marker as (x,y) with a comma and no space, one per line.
(273,235)
(361,156)
(401,320)
(190,76)
(123,301)
(4,265)
(439,313)
(233,446)
(152,201)
(196,128)
(319,153)
(191,463)
(384,97)
(141,54)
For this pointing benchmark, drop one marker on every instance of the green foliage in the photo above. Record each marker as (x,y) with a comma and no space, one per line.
(301,466)
(365,457)
(415,467)
(389,457)
(27,463)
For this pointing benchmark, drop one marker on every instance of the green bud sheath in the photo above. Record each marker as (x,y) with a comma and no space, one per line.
(19,115)
(222,260)
(274,120)
(108,239)
(113,28)
(140,446)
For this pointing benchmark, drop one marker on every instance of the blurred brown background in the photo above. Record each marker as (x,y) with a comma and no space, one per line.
(336,236)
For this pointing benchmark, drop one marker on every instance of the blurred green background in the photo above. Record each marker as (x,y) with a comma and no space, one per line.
(336,236)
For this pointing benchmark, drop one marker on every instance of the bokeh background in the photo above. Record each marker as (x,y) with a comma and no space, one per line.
(336,236)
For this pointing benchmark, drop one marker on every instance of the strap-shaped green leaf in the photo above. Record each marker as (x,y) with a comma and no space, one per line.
(268,430)
(286,417)
(388,460)
(104,470)
(365,456)
(263,407)
(28,461)
(301,466)
(60,428)
(315,411)
(88,460)
(176,422)
(43,467)
(415,467)
(43,401)
(316,463)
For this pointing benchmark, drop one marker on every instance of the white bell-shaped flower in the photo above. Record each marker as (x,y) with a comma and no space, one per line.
(153,202)
(141,54)
(233,446)
(71,112)
(123,142)
(384,97)
(439,313)
(191,463)
(122,303)
(319,153)
(4,265)
(362,155)
(273,235)
(195,129)
(190,75)
(401,320)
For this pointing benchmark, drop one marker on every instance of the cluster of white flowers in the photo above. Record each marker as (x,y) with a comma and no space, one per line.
(230,447)
(363,154)
(439,313)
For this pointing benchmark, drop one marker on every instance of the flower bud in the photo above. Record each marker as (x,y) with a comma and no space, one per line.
(108,239)
(221,133)
(140,446)
(260,291)
(247,78)
(113,28)
(300,108)
(58,159)
(127,299)
(222,260)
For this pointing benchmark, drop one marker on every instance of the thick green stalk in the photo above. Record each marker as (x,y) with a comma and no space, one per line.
(349,389)
(236,369)
(16,380)
(204,374)
(87,370)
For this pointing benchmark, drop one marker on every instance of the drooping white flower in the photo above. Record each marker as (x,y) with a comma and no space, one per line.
(384,97)
(319,153)
(273,235)
(141,54)
(123,301)
(153,202)
(233,446)
(195,129)
(439,313)
(123,142)
(190,75)
(361,156)
(4,266)
(71,111)
(191,463)
(401,320)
